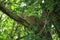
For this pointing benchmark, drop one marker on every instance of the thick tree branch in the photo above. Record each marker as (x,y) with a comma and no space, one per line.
(21,20)
(13,16)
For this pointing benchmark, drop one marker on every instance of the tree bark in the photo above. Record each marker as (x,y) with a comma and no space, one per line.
(13,16)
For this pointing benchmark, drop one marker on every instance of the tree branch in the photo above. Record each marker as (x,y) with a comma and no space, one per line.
(13,16)
(21,20)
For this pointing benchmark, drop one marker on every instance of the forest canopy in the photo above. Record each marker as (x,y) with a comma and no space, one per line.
(29,20)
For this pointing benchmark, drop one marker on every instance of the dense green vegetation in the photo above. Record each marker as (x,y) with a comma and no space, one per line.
(29,19)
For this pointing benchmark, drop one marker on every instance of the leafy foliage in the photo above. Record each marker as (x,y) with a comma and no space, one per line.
(42,16)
